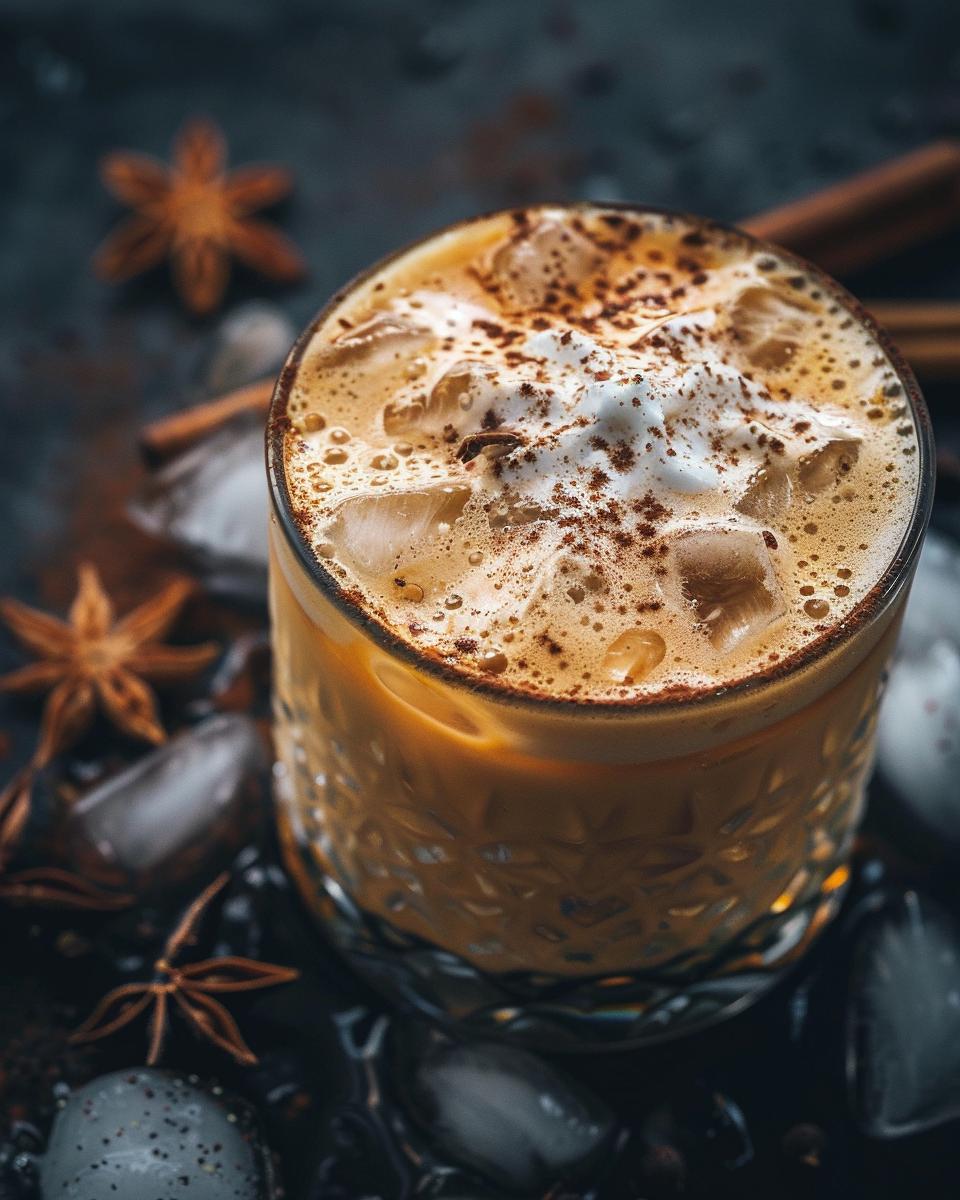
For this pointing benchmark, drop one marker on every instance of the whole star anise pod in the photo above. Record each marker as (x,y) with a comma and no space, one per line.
(196,213)
(94,660)
(190,988)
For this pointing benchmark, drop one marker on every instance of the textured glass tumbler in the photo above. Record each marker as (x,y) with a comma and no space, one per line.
(562,875)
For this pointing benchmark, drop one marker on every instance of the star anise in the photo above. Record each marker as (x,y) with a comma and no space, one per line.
(96,660)
(198,214)
(48,887)
(52,887)
(189,988)
(15,803)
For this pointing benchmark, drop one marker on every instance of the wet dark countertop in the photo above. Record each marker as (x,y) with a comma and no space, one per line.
(397,118)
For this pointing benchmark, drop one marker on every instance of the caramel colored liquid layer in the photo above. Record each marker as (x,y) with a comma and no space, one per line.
(564,844)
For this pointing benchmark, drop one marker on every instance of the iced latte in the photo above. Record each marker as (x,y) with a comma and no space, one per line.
(592,528)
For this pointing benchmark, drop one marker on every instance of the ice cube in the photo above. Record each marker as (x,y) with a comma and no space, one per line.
(829,463)
(768,494)
(932,610)
(460,388)
(252,341)
(534,262)
(769,326)
(918,737)
(212,502)
(380,532)
(728,577)
(903,1059)
(386,335)
(144,1132)
(633,655)
(180,810)
(507,1114)
(457,391)
(511,509)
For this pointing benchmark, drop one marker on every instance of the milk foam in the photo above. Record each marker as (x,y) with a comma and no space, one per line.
(663,436)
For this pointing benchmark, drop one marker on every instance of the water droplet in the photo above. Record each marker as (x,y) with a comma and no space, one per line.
(313,422)
(453,601)
(816,608)
(339,436)
(475,558)
(412,592)
(383,462)
(493,661)
(334,456)
(403,449)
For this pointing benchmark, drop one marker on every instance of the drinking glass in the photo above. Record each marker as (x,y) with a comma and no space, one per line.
(555,872)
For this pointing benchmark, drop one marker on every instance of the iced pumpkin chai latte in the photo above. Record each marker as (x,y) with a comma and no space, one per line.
(592,528)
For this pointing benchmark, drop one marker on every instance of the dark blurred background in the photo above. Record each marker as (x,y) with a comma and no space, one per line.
(395,118)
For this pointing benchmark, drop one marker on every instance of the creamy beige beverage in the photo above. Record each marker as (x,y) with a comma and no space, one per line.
(600,456)
(592,533)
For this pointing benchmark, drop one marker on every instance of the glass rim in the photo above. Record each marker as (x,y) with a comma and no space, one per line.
(869,607)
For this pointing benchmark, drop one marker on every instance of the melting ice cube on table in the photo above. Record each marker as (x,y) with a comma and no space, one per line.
(252,341)
(212,502)
(918,737)
(175,811)
(904,1020)
(145,1133)
(728,578)
(933,610)
(507,1114)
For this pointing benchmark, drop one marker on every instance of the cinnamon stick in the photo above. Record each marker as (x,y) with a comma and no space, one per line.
(873,214)
(926,331)
(903,318)
(932,356)
(167,436)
